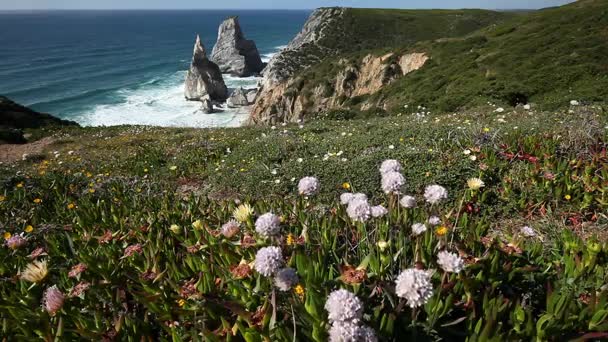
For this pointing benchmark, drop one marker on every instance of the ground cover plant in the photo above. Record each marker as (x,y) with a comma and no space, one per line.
(481,225)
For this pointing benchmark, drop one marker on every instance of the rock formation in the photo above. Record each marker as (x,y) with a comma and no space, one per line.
(238,98)
(233,53)
(204,79)
(207,106)
(15,117)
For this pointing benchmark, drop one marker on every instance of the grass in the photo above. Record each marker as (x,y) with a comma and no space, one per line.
(143,208)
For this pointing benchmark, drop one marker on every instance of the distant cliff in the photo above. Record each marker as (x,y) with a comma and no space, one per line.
(342,53)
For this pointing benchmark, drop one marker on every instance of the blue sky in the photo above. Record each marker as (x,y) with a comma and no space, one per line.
(270,4)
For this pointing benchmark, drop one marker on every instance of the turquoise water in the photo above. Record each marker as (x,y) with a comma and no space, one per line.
(126,67)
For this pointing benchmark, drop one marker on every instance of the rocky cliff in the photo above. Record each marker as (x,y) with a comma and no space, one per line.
(344,55)
(204,80)
(233,53)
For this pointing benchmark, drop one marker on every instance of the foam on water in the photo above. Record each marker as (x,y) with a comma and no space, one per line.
(162,103)
(268,56)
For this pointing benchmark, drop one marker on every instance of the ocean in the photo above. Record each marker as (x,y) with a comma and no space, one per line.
(103,68)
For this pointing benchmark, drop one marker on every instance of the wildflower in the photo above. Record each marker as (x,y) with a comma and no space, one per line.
(450,262)
(268,225)
(20,185)
(71,206)
(37,200)
(53,300)
(77,270)
(7,235)
(346,186)
(173,168)
(346,197)
(574,103)
(2,198)
(358,209)
(242,212)
(382,245)
(175,229)
(441,231)
(527,232)
(467,152)
(240,271)
(230,228)
(408,201)
(435,193)
(35,272)
(286,278)
(527,107)
(351,332)
(390,165)
(475,183)
(198,225)
(415,286)
(392,182)
(567,197)
(79,289)
(500,110)
(133,249)
(473,158)
(418,228)
(15,242)
(378,211)
(37,252)
(290,240)
(343,306)
(434,220)
(352,275)
(308,186)
(268,260)
(181,302)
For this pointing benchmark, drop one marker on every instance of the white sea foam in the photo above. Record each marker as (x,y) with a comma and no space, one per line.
(268,56)
(163,104)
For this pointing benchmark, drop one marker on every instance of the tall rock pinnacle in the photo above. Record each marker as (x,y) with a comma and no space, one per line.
(233,53)
(204,80)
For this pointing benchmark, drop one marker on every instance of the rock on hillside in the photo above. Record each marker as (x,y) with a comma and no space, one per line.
(204,79)
(233,53)
(15,117)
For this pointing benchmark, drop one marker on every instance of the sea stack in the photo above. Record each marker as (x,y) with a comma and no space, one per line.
(204,80)
(233,53)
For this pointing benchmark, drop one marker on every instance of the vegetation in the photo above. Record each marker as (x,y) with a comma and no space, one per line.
(129,221)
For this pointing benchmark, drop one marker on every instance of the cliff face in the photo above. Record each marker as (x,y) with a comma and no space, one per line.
(285,102)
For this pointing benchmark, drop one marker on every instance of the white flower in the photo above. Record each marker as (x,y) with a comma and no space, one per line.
(415,286)
(358,209)
(574,103)
(229,229)
(351,332)
(345,198)
(435,193)
(450,262)
(473,158)
(475,183)
(391,147)
(299,160)
(500,110)
(434,220)
(390,165)
(466,152)
(268,225)
(527,232)
(527,107)
(308,186)
(268,260)
(392,182)
(343,306)
(378,211)
(286,278)
(418,228)
(408,202)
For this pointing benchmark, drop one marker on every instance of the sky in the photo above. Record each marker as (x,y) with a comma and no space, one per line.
(271,4)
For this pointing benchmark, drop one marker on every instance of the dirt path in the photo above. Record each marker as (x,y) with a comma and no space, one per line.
(11,153)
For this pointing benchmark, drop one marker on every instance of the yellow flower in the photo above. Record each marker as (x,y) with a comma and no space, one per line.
(173,168)
(91,190)
(346,186)
(71,206)
(35,272)
(181,302)
(198,225)
(37,200)
(475,183)
(7,235)
(20,185)
(174,228)
(299,290)
(242,212)
(291,240)
(29,228)
(2,198)
(486,129)
(441,230)
(382,245)
(145,170)
(567,197)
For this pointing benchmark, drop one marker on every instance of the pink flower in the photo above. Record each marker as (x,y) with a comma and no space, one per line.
(76,270)
(53,300)
(79,289)
(15,242)
(130,250)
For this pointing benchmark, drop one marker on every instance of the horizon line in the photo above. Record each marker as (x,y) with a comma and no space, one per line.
(246,9)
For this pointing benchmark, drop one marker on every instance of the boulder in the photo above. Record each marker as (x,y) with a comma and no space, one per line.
(204,79)
(233,53)
(251,95)
(238,98)
(207,106)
